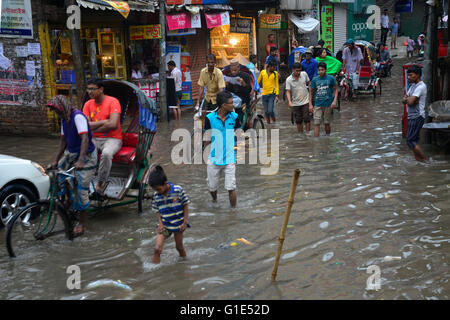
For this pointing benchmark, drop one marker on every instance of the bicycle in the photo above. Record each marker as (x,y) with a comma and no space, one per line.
(53,217)
(345,88)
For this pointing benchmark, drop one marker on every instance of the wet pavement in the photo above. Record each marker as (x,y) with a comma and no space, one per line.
(361,197)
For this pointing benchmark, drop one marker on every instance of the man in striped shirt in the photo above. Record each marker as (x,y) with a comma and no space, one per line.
(172,205)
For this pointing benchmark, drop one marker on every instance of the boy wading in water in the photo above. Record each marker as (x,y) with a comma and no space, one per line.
(326,91)
(172,205)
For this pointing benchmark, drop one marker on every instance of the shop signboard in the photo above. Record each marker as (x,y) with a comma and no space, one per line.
(241,25)
(145,32)
(358,28)
(270,21)
(404,7)
(181,32)
(326,17)
(16,19)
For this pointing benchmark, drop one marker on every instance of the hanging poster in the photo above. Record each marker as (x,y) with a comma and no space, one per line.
(178,21)
(326,17)
(217,19)
(173,52)
(270,21)
(16,19)
(34,48)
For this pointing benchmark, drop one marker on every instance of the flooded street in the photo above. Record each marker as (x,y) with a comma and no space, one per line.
(361,197)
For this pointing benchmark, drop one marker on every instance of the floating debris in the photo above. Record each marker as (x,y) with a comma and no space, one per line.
(245,241)
(109,283)
(391,258)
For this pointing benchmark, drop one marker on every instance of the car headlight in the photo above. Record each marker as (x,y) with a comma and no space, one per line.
(40,168)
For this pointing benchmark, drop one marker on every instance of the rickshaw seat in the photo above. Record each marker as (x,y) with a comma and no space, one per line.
(365,72)
(128,151)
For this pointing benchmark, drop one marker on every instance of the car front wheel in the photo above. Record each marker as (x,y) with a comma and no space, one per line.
(14,198)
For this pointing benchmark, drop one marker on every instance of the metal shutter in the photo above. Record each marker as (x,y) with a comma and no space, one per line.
(340,26)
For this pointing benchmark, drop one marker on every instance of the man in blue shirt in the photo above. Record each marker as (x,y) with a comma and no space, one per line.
(309,65)
(325,89)
(223,123)
(272,57)
(394,33)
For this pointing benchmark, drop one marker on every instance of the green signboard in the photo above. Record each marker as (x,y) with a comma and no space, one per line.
(357,20)
(326,18)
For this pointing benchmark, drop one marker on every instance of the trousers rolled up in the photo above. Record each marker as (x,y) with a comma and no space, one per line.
(108,147)
(268,102)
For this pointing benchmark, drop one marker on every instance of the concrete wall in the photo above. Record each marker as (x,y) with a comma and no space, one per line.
(22,112)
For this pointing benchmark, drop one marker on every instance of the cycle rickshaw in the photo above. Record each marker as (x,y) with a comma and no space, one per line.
(250,118)
(369,83)
(54,217)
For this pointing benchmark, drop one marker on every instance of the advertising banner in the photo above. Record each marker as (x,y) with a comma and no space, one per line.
(358,28)
(217,19)
(178,21)
(326,16)
(16,19)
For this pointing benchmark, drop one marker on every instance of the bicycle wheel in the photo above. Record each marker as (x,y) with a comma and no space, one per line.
(24,229)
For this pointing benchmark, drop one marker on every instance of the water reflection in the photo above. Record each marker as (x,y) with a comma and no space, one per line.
(361,198)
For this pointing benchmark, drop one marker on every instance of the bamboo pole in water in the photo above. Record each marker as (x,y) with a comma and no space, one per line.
(286,220)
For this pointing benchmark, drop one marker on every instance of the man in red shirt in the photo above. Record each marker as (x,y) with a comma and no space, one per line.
(103,113)
(271,43)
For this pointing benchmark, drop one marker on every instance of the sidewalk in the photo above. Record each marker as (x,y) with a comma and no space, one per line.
(400,52)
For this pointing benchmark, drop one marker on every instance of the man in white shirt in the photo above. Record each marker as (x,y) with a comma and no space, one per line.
(136,73)
(298,96)
(351,58)
(415,100)
(176,74)
(384,26)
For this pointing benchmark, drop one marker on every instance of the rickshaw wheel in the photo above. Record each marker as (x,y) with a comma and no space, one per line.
(258,123)
(141,197)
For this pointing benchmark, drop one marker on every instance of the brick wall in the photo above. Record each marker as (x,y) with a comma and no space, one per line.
(197,45)
(24,112)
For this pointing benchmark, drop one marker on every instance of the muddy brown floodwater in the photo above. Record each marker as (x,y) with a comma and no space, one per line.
(361,197)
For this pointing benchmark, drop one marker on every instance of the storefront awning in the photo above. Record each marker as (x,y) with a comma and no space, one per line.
(305,25)
(147,6)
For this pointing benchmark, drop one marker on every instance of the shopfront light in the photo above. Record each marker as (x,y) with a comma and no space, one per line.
(233,41)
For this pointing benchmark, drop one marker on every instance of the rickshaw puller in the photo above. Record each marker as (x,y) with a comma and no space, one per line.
(77,150)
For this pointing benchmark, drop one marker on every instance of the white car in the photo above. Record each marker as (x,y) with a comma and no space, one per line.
(21,182)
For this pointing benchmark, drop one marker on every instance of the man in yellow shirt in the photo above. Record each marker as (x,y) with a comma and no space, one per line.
(211,78)
(268,80)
